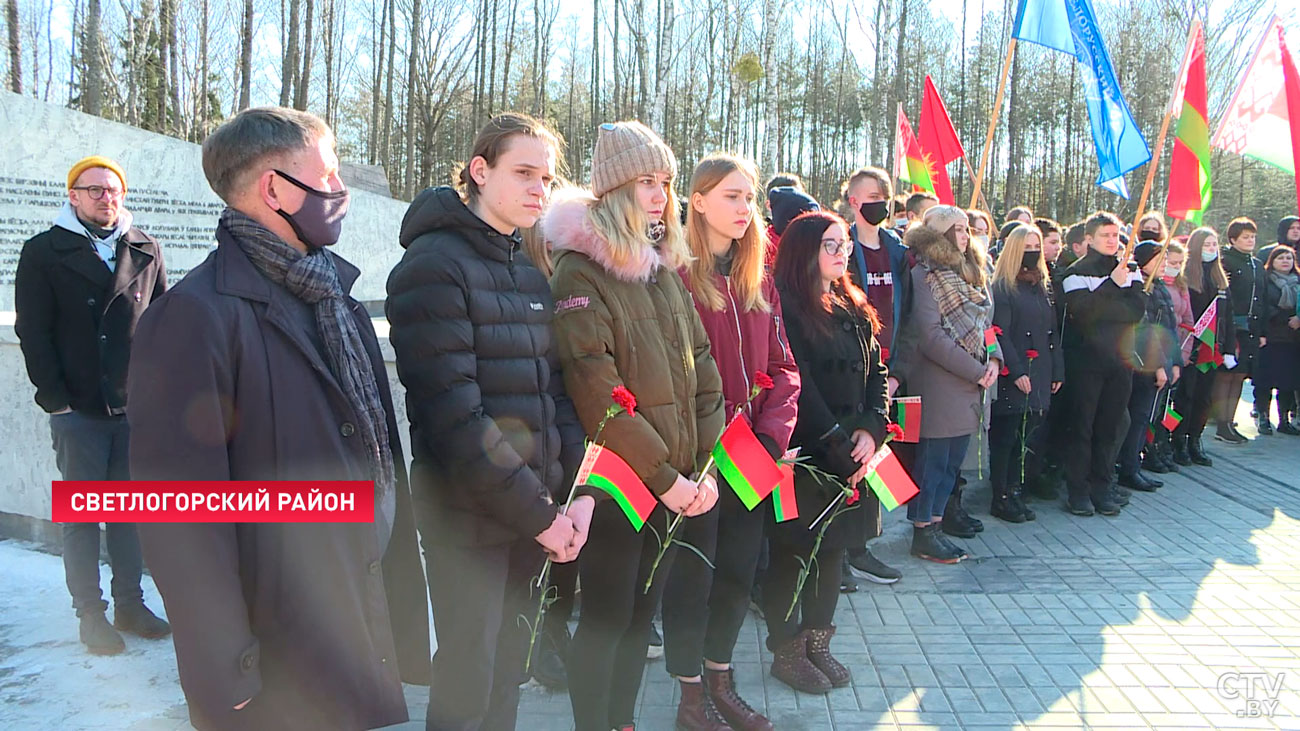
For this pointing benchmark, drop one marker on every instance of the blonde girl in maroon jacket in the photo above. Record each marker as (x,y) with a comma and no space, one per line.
(704,608)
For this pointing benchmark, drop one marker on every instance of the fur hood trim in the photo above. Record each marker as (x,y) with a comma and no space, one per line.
(567,226)
(933,248)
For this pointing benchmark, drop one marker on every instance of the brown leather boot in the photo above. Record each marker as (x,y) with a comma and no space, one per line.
(739,714)
(819,652)
(791,666)
(696,711)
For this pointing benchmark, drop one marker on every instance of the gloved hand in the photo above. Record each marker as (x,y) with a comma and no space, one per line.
(1230,361)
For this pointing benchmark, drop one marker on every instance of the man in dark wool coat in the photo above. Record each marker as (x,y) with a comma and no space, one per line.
(258,365)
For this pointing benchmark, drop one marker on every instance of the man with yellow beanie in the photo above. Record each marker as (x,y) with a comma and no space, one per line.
(80,288)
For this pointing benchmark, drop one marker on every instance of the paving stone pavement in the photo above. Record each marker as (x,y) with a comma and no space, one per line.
(1155,619)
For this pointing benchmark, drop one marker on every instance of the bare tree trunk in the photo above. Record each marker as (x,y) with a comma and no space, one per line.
(201,128)
(329,63)
(15,49)
(1015,131)
(304,78)
(663,57)
(173,68)
(386,149)
(289,63)
(900,65)
(642,50)
(408,181)
(246,57)
(596,82)
(771,108)
(510,47)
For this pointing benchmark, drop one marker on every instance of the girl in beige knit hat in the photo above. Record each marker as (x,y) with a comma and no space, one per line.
(624,318)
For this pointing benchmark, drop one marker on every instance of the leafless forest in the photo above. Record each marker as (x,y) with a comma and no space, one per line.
(805,85)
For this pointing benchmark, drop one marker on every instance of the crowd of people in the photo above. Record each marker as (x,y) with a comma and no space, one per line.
(521,304)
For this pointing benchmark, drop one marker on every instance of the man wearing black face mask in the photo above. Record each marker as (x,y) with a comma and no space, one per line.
(258,365)
(879,264)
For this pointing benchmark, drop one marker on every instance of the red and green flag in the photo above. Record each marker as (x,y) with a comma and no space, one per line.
(910,164)
(783,502)
(908,416)
(607,472)
(888,479)
(1172,419)
(1262,119)
(745,464)
(991,340)
(1189,168)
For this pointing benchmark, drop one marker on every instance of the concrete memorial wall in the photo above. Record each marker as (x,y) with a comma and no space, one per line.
(171,201)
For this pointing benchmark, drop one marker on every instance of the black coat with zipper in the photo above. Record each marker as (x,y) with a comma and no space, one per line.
(494,439)
(75,318)
(842,390)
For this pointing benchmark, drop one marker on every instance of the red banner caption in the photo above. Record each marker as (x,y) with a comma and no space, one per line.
(252,501)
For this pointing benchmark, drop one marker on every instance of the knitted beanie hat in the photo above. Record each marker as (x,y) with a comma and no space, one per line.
(942,218)
(624,152)
(95,161)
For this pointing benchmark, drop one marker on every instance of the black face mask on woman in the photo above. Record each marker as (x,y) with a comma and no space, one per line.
(873,212)
(319,221)
(1030,259)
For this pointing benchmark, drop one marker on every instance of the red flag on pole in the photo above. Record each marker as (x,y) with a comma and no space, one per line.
(1292,77)
(938,140)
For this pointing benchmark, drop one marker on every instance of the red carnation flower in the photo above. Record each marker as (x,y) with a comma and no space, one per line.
(1005,371)
(884,354)
(894,431)
(997,330)
(763,381)
(624,398)
(1031,353)
(852,498)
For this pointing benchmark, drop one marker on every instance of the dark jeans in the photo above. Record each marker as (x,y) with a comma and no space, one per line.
(478,595)
(704,608)
(816,608)
(938,462)
(1193,401)
(607,656)
(1098,406)
(1007,434)
(96,448)
(1141,404)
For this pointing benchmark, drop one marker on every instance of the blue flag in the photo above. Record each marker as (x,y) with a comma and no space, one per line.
(1071,26)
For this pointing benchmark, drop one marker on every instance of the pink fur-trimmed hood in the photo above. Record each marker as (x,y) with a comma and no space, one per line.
(566,225)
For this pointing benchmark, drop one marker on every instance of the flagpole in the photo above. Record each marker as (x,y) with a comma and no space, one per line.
(983,201)
(1164,131)
(993,122)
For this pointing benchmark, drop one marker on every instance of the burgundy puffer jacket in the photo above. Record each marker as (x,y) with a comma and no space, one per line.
(745,343)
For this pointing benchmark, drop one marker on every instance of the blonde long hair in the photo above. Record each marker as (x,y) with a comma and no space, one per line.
(1007,270)
(747,271)
(620,220)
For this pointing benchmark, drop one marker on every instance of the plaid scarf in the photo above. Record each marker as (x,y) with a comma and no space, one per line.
(964,311)
(313,279)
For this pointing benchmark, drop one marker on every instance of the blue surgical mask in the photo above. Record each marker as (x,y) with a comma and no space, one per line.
(1209,254)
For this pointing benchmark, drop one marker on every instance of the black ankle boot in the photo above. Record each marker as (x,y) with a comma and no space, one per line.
(1018,502)
(1180,454)
(1197,452)
(1004,508)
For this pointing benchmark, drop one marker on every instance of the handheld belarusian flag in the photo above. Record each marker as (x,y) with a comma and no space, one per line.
(783,501)
(1189,168)
(1172,419)
(889,480)
(991,340)
(908,416)
(607,472)
(1206,329)
(745,464)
